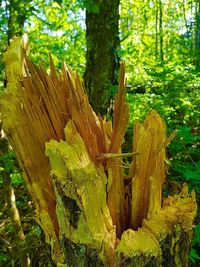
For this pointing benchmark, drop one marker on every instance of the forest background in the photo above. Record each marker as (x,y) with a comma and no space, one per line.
(159,40)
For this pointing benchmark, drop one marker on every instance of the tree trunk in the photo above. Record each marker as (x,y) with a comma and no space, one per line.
(84,206)
(197,37)
(157,30)
(161,30)
(10,202)
(102,56)
(19,238)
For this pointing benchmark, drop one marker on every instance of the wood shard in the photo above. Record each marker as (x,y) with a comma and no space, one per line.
(116,196)
(148,170)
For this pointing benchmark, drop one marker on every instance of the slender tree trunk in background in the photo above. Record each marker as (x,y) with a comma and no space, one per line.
(185,18)
(13,213)
(19,237)
(191,27)
(102,60)
(161,30)
(156,46)
(197,37)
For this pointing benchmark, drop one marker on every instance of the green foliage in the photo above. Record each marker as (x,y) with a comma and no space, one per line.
(8,161)
(92,6)
(170,86)
(186,157)
(37,249)
(39,252)
(17,178)
(55,27)
(194,256)
(58,30)
(196,240)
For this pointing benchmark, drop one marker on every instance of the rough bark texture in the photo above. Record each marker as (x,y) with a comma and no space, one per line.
(80,194)
(102,59)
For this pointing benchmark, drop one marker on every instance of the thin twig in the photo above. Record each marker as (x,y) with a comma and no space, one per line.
(116,155)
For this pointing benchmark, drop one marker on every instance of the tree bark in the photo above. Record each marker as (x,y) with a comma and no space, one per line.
(156,39)
(19,238)
(10,202)
(102,56)
(161,31)
(197,37)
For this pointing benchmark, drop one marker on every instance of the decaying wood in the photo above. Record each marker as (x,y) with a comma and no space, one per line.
(148,170)
(115,198)
(78,187)
(165,236)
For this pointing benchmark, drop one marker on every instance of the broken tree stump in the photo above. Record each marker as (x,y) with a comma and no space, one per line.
(73,168)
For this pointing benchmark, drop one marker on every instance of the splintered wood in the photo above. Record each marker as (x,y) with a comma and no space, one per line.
(148,170)
(116,199)
(79,189)
(41,106)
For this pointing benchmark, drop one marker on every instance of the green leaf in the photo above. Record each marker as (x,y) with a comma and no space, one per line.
(17,179)
(91,5)
(3,259)
(194,256)
(59,2)
(196,239)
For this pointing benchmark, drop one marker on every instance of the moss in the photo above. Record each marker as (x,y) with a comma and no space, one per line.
(80,255)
